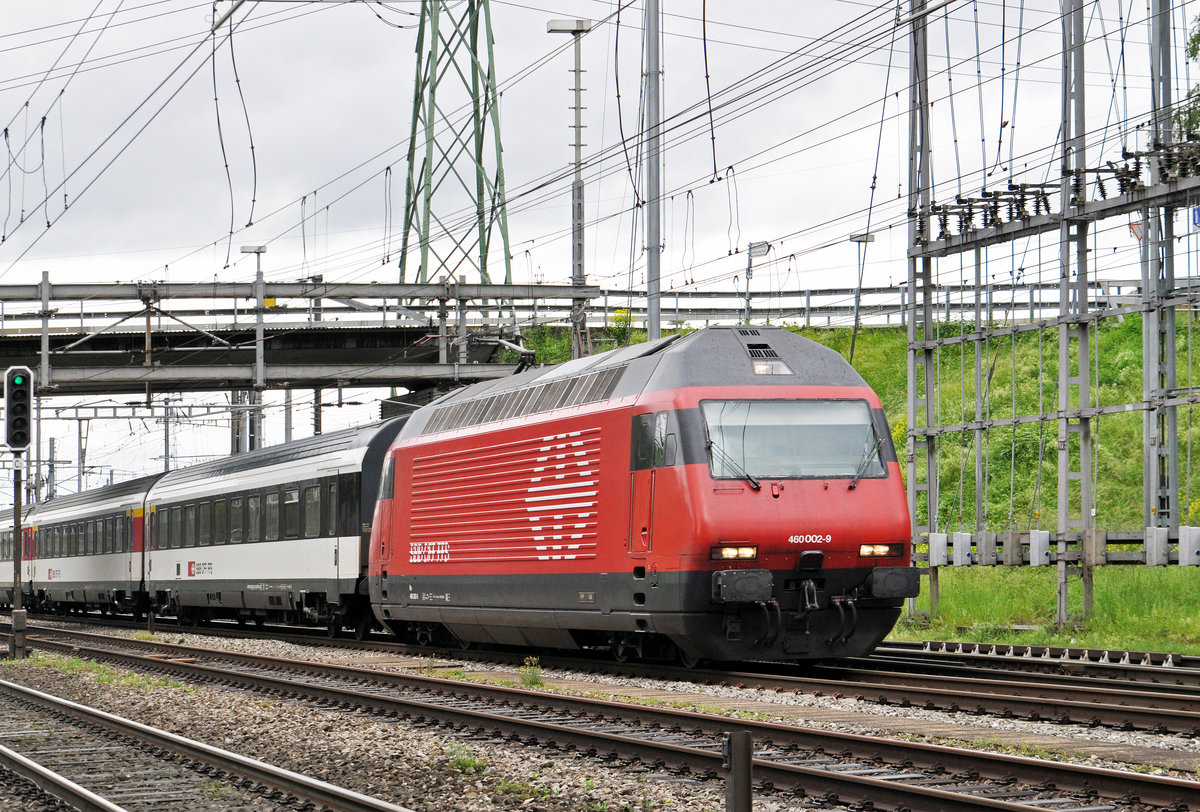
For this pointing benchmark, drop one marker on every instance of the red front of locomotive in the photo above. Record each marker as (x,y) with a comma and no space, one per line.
(786,526)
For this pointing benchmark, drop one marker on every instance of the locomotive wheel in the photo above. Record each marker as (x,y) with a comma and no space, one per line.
(687,660)
(362,626)
(334,627)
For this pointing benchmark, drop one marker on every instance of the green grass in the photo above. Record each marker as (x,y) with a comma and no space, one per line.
(460,757)
(98,672)
(1136,607)
(531,672)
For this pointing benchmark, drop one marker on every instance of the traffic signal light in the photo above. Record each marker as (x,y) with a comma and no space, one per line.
(18,388)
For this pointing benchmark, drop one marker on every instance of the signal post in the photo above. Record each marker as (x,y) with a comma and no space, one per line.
(18,389)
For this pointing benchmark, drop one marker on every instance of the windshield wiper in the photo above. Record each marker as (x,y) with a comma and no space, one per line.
(731,463)
(869,453)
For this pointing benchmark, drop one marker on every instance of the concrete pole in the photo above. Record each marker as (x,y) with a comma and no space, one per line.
(653,172)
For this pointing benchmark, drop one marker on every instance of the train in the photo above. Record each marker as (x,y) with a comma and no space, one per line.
(732,493)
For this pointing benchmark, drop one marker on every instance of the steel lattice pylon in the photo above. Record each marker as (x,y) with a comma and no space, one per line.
(454,198)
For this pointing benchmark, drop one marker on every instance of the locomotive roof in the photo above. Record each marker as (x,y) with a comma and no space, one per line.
(723,356)
(727,356)
(306,448)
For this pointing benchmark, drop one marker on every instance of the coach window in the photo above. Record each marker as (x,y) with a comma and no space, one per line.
(204,523)
(271,508)
(253,517)
(129,532)
(220,522)
(189,525)
(312,511)
(236,520)
(152,530)
(175,534)
(291,513)
(110,530)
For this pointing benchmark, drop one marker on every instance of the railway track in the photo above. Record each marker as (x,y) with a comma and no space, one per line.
(821,764)
(93,760)
(1117,696)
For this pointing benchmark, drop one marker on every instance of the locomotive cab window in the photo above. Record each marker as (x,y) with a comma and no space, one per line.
(792,439)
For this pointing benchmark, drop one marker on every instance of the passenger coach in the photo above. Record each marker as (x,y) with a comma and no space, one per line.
(279,533)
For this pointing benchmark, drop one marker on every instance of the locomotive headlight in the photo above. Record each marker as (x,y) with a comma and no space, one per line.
(880,550)
(732,553)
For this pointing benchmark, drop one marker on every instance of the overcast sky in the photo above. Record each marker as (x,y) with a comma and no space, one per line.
(112,136)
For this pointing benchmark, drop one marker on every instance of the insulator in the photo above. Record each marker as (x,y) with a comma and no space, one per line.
(1100,188)
(1077,184)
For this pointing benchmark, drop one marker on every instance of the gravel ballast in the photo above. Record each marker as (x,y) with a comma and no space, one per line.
(433,770)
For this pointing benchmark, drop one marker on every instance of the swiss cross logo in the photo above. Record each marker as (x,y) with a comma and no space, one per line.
(191,569)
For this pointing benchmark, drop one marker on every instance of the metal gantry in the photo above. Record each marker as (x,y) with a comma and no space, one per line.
(454,203)
(1023,211)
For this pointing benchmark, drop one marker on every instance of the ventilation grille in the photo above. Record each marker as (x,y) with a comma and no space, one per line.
(559,394)
(747,331)
(761,351)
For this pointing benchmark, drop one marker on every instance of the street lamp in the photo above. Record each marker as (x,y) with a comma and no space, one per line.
(576,28)
(753,252)
(260,372)
(860,241)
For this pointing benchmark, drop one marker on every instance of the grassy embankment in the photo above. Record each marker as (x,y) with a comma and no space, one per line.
(1135,607)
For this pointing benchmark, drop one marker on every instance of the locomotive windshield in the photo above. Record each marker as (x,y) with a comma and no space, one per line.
(791,438)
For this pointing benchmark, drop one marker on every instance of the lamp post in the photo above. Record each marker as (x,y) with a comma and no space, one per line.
(576,28)
(260,372)
(753,251)
(859,240)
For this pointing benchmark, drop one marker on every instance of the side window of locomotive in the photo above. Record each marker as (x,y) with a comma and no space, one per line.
(236,520)
(291,513)
(253,517)
(665,443)
(271,507)
(387,484)
(653,445)
(312,511)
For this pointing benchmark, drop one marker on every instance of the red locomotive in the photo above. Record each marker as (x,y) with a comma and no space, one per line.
(730,494)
